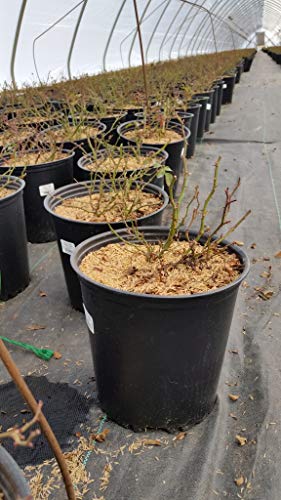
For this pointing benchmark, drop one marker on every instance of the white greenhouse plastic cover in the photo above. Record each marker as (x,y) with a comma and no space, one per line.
(44,40)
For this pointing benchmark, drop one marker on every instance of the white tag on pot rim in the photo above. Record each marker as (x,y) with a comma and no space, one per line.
(209,107)
(67,247)
(224,86)
(89,320)
(46,189)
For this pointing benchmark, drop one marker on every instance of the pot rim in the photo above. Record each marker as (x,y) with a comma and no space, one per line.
(193,105)
(244,259)
(141,122)
(101,151)
(152,187)
(187,114)
(98,123)
(39,166)
(20,186)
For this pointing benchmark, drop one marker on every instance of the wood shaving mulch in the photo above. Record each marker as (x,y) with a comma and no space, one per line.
(45,479)
(125,267)
(109,206)
(33,159)
(153,136)
(75,133)
(4,192)
(121,164)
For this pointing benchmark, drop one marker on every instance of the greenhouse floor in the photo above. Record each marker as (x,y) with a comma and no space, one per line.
(204,463)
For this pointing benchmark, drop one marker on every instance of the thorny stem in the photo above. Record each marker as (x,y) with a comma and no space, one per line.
(219,240)
(207,201)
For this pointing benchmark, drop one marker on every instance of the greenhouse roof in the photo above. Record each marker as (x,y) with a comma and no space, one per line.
(45,41)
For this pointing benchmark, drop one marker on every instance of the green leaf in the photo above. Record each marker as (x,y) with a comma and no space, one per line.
(169,178)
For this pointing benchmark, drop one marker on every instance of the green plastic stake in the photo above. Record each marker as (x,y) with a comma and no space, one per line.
(45,354)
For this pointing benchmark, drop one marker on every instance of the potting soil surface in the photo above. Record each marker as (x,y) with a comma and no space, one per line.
(212,460)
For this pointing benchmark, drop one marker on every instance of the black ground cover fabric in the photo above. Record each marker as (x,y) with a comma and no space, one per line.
(64,407)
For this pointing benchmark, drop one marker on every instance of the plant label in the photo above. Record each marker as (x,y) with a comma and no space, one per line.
(89,320)
(209,107)
(224,86)
(46,189)
(67,246)
(182,152)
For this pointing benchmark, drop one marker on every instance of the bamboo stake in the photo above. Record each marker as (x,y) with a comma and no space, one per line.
(45,427)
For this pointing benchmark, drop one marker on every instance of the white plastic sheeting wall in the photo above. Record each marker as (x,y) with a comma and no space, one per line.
(49,40)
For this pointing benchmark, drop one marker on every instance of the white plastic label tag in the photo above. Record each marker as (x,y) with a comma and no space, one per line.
(224,86)
(209,107)
(89,320)
(182,152)
(46,189)
(67,247)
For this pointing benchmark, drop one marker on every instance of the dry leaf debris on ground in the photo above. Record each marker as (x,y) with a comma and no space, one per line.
(34,327)
(45,479)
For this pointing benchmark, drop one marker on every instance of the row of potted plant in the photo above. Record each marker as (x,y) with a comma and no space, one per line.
(274,52)
(157,358)
(21,134)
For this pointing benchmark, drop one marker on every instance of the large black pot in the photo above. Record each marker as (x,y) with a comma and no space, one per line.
(157,359)
(186,118)
(210,95)
(14,271)
(203,101)
(215,103)
(219,84)
(112,123)
(71,232)
(228,89)
(83,146)
(175,149)
(12,481)
(40,180)
(195,110)
(240,69)
(247,64)
(158,158)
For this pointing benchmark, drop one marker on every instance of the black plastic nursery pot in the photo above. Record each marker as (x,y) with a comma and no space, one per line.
(277,58)
(215,104)
(14,270)
(174,149)
(157,359)
(159,158)
(248,63)
(203,101)
(240,69)
(210,95)
(40,180)
(12,481)
(71,233)
(131,113)
(186,118)
(112,123)
(228,89)
(195,110)
(58,105)
(82,146)
(219,84)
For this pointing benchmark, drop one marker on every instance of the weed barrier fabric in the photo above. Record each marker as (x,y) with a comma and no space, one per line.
(206,462)
(64,407)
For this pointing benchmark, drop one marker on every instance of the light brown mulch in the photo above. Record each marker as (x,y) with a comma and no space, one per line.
(125,267)
(109,207)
